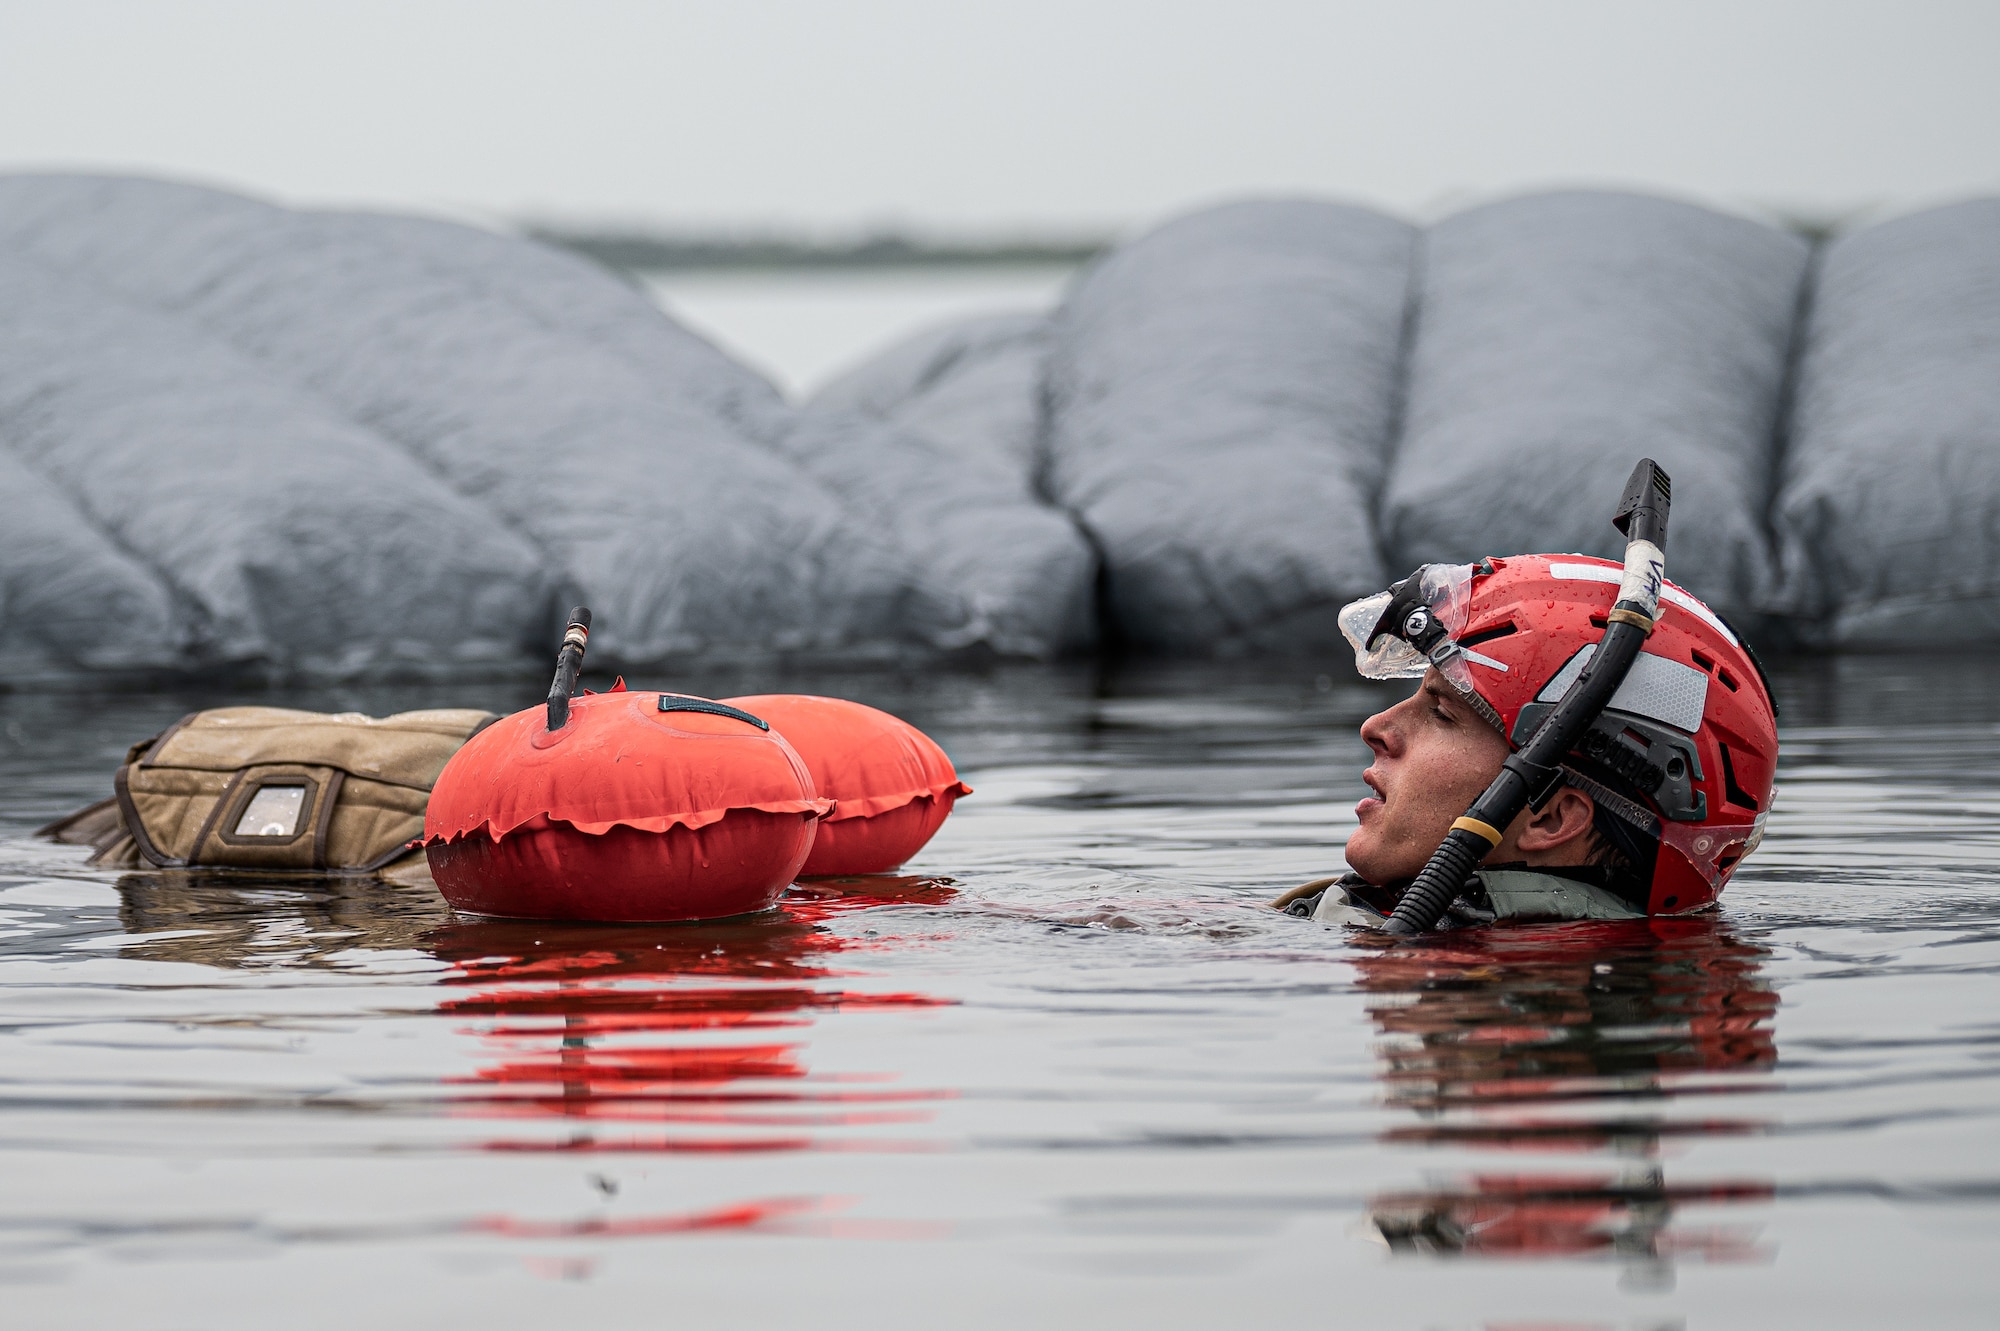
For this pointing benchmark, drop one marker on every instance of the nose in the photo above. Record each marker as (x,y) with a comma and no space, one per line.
(1380,732)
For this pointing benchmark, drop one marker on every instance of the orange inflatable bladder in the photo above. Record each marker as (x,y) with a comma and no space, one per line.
(644,806)
(891,785)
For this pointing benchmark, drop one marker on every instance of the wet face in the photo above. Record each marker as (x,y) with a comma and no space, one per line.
(1433,755)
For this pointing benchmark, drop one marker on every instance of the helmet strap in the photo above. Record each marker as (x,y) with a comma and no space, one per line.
(1625,810)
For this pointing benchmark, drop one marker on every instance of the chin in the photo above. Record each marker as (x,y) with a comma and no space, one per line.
(1367,859)
(1359,857)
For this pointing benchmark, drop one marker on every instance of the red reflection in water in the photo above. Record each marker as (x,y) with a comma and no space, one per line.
(617,1026)
(777,1215)
(742,1215)
(1569,1038)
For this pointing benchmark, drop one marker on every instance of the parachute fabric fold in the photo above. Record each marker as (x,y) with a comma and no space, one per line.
(1221,392)
(685,534)
(1004,572)
(1561,335)
(288,531)
(973,387)
(1889,513)
(580,299)
(70,599)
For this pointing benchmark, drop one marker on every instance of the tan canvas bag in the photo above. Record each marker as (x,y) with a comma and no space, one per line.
(272,788)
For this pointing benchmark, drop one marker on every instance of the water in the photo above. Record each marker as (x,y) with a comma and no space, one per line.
(802,327)
(1067,1072)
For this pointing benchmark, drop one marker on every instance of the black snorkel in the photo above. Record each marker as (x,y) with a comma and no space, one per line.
(1531,777)
(569,664)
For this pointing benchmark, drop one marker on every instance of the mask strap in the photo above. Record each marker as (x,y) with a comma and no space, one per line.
(1483,707)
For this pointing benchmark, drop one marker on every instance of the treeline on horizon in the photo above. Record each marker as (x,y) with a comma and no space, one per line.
(641,251)
(635,250)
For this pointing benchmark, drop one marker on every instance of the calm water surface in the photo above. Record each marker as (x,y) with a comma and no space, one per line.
(1067,1072)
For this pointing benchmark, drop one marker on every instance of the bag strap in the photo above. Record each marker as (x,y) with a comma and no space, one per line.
(674,702)
(152,854)
(323,815)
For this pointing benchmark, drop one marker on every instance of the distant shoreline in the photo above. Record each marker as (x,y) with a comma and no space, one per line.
(639,252)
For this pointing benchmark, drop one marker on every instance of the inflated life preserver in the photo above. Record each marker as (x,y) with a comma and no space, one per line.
(892,786)
(642,806)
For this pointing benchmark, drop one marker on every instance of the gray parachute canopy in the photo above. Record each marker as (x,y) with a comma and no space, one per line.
(1221,396)
(951,465)
(1889,516)
(685,533)
(1562,336)
(287,532)
(973,387)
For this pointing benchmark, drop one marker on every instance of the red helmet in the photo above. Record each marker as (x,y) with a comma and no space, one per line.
(1684,756)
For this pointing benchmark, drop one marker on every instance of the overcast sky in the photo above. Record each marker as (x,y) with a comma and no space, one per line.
(1029,113)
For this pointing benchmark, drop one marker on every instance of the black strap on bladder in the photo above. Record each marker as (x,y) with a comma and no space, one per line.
(1531,777)
(569,664)
(674,702)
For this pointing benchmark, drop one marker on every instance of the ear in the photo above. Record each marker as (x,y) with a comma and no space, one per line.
(1563,821)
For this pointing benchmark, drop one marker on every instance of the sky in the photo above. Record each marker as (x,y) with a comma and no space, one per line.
(1026,115)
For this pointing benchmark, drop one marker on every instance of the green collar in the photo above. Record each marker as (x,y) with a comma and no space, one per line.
(1509,892)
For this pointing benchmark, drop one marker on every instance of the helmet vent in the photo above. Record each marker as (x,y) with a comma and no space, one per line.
(1732,792)
(1488,635)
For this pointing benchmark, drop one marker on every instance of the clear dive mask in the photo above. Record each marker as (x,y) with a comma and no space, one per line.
(1400,633)
(1409,629)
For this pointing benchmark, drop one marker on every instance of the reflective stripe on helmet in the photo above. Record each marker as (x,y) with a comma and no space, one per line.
(1657,689)
(1669,593)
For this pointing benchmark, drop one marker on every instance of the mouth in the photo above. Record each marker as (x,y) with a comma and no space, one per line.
(1370,804)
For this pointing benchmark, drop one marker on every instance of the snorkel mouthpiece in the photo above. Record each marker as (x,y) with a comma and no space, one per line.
(1530,777)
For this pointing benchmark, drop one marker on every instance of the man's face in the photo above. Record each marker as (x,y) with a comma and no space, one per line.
(1433,755)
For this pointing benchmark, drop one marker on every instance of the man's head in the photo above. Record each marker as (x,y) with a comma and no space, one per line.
(1433,755)
(1667,789)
